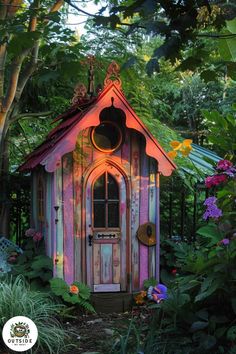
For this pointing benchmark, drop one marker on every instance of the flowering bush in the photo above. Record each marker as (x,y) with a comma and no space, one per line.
(35,235)
(222,205)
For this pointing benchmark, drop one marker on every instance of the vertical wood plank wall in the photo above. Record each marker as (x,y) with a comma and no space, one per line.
(68,218)
(135,207)
(48,206)
(143,212)
(59,226)
(68,242)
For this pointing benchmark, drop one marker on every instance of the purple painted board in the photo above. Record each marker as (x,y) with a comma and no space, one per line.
(53,223)
(77,185)
(68,218)
(135,186)
(143,218)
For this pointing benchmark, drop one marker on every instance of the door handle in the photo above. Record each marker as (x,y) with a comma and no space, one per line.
(90,237)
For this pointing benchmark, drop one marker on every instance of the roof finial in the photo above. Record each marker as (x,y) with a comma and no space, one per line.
(113,75)
(80,93)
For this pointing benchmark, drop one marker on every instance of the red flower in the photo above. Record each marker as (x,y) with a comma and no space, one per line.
(215,180)
(174,271)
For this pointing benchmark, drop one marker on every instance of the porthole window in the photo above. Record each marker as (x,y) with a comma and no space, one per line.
(107,136)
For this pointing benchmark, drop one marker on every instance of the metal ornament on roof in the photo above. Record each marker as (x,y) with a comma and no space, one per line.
(80,92)
(113,75)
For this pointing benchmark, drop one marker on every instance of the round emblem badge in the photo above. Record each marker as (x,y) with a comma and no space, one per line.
(20,333)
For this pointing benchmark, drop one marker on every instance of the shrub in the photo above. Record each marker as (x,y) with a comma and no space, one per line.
(76,293)
(16,299)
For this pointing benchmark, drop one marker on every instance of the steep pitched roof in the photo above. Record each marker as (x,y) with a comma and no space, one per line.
(62,139)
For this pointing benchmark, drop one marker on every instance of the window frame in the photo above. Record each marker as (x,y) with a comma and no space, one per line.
(107,150)
(106,202)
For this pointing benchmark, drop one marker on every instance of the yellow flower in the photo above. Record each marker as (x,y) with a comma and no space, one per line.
(184,147)
(172,154)
(74,289)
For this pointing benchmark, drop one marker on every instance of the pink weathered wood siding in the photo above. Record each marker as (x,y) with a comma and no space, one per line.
(67,241)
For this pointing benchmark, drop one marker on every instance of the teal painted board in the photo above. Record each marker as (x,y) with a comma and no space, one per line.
(152,212)
(106,264)
(59,225)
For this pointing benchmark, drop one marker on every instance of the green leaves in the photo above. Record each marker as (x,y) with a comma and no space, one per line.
(77,294)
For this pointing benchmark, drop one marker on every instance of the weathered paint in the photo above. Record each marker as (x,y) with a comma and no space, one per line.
(143,214)
(68,220)
(135,201)
(116,263)
(48,236)
(59,225)
(122,256)
(77,188)
(106,264)
(152,212)
(158,226)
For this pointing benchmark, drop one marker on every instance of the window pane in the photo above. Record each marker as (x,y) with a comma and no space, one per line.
(99,214)
(113,190)
(113,214)
(99,188)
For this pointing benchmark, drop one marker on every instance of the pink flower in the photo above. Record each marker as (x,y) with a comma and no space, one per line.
(37,237)
(215,180)
(224,165)
(30,232)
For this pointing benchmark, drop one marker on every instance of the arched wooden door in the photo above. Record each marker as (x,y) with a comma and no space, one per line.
(106,230)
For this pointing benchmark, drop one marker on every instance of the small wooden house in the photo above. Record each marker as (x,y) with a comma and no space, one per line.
(95,192)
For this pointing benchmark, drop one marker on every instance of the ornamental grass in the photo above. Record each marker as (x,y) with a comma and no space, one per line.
(16,299)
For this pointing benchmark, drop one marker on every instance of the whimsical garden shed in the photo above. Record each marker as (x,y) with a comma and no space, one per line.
(95,187)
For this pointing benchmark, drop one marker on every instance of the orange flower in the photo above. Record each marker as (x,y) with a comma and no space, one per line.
(74,289)
(143,293)
(172,154)
(139,299)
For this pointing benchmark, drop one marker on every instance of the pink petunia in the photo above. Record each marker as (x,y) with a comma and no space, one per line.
(224,165)
(37,237)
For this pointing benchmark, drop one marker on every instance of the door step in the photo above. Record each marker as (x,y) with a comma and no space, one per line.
(111,302)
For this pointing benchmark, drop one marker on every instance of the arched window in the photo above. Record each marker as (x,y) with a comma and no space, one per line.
(40,197)
(106,212)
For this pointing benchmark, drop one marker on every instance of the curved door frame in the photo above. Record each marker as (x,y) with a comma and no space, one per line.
(90,176)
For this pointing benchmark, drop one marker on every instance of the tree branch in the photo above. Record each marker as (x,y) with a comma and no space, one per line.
(39,115)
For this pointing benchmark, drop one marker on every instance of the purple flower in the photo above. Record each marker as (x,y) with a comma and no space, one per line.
(230,172)
(225,242)
(212,210)
(157,293)
(210,201)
